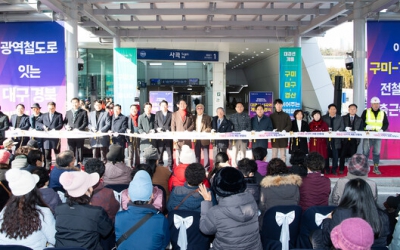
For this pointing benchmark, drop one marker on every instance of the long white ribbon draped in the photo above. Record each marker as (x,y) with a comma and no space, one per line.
(285,220)
(206,136)
(319,218)
(182,224)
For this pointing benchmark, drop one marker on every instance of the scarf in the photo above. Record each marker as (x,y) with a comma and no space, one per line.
(135,120)
(183,114)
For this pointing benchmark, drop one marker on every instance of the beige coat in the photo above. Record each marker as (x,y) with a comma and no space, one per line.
(178,125)
(205,127)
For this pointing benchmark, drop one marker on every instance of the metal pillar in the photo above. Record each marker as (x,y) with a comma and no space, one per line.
(219,85)
(359,58)
(116,44)
(71,37)
(297,41)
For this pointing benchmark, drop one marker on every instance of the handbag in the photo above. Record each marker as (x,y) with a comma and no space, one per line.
(133,229)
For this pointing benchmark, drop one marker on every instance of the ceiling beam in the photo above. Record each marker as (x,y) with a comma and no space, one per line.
(99,21)
(218,1)
(268,11)
(199,23)
(57,7)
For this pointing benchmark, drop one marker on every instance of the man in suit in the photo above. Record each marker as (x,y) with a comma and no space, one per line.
(351,122)
(281,122)
(99,121)
(52,120)
(202,124)
(241,122)
(20,121)
(335,123)
(221,125)
(133,145)
(261,122)
(36,121)
(146,126)
(4,125)
(76,119)
(181,121)
(162,123)
(119,124)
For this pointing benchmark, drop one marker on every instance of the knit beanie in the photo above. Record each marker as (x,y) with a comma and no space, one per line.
(4,157)
(229,181)
(358,165)
(353,234)
(140,188)
(76,183)
(187,155)
(20,181)
(20,161)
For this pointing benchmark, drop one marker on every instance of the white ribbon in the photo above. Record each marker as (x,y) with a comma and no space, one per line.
(182,224)
(284,220)
(319,218)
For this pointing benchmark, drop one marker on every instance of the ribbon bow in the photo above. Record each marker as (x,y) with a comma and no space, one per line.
(319,218)
(284,220)
(182,224)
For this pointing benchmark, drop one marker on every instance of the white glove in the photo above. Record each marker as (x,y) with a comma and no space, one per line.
(94,130)
(17,129)
(284,131)
(12,128)
(152,131)
(380,130)
(158,130)
(128,131)
(368,127)
(75,129)
(348,129)
(274,130)
(116,134)
(45,128)
(67,127)
(212,130)
(53,129)
(167,130)
(175,140)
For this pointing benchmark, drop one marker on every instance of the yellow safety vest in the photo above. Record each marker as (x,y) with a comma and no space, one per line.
(375,122)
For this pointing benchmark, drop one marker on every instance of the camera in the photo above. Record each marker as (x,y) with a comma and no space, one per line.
(349,63)
(80,64)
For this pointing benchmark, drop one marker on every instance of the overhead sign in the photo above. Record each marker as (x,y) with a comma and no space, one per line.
(383,76)
(32,65)
(290,78)
(190,81)
(155,97)
(178,55)
(264,98)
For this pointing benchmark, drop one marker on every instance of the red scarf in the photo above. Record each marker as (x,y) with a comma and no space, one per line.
(183,114)
(135,120)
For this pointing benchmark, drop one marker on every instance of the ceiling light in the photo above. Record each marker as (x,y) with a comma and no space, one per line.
(267,49)
(155,64)
(262,52)
(256,54)
(252,57)
(247,48)
(189,88)
(179,64)
(242,52)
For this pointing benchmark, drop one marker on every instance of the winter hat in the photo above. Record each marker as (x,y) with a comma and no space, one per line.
(32,143)
(115,153)
(140,188)
(187,155)
(150,153)
(4,157)
(353,234)
(20,181)
(392,202)
(229,181)
(358,165)
(20,161)
(76,183)
(8,142)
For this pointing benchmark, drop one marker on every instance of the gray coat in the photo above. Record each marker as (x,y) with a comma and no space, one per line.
(144,126)
(234,221)
(102,125)
(338,125)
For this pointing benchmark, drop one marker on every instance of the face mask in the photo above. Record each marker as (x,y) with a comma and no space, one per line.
(13,148)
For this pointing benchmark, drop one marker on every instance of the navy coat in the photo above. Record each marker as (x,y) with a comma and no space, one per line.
(81,120)
(56,123)
(265,124)
(226,126)
(160,123)
(102,125)
(119,124)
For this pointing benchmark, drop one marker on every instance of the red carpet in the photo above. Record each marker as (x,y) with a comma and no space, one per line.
(387,171)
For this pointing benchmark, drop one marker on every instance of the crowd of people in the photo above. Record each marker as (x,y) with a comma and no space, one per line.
(107,202)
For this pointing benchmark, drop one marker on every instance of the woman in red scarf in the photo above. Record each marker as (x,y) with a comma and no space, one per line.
(317,125)
(133,142)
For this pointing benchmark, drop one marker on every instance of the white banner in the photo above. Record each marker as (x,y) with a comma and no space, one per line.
(206,136)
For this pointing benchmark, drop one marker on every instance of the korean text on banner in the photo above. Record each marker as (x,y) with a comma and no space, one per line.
(156,97)
(383,76)
(32,65)
(290,79)
(264,98)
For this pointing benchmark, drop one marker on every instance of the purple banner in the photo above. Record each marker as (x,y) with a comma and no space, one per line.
(155,97)
(383,76)
(32,65)
(264,98)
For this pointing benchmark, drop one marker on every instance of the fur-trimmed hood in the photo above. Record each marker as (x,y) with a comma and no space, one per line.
(278,180)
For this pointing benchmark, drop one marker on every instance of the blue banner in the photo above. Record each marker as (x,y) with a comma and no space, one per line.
(290,79)
(32,65)
(125,78)
(155,97)
(178,55)
(264,98)
(190,81)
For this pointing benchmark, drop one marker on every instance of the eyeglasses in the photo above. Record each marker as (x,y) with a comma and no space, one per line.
(199,108)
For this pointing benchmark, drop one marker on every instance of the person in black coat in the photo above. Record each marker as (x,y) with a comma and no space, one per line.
(99,121)
(162,123)
(119,124)
(51,120)
(261,122)
(76,119)
(221,125)
(352,122)
(20,121)
(146,126)
(133,142)
(4,125)
(299,125)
